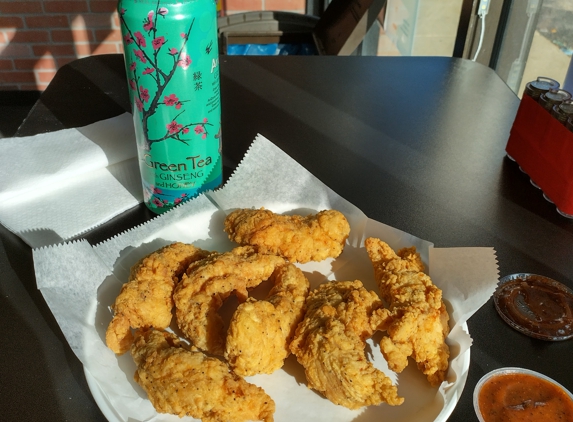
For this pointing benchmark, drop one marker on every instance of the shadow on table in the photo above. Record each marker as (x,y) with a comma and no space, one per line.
(528,196)
(14,107)
(99,86)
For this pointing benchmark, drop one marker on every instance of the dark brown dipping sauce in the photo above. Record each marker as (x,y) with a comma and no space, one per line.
(523,398)
(537,306)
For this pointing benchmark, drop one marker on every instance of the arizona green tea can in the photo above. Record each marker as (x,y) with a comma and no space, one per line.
(172,64)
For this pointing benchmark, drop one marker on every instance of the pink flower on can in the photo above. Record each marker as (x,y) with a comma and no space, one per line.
(132,84)
(148,23)
(158,42)
(144,93)
(140,39)
(139,104)
(162,11)
(185,130)
(147,71)
(148,26)
(170,100)
(199,129)
(184,61)
(139,54)
(174,127)
(205,120)
(177,200)
(157,202)
(132,66)
(173,51)
(157,190)
(178,105)
(128,39)
(204,136)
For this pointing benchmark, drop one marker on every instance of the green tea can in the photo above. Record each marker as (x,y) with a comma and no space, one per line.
(172,66)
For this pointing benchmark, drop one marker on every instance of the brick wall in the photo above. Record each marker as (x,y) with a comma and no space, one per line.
(236,6)
(37,37)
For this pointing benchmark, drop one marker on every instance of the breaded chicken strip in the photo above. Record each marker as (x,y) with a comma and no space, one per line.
(208,282)
(417,319)
(298,239)
(330,343)
(146,299)
(184,382)
(260,332)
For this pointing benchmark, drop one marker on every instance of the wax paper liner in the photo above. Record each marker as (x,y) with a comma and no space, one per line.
(80,282)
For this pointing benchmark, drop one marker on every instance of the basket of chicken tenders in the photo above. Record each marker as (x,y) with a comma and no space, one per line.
(252,303)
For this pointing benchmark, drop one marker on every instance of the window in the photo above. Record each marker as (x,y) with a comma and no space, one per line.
(523,39)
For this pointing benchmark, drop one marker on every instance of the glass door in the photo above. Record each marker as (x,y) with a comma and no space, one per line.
(519,39)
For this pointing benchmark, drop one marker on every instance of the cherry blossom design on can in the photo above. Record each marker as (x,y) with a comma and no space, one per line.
(172,66)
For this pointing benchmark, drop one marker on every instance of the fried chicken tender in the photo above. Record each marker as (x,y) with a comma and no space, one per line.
(260,332)
(330,341)
(298,239)
(416,320)
(208,282)
(187,382)
(146,299)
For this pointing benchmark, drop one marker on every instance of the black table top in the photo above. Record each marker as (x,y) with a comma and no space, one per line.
(414,142)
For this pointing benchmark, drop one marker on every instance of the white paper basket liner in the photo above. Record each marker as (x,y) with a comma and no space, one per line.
(80,282)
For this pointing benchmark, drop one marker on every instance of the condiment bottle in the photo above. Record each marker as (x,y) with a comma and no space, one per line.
(172,64)
(539,86)
(563,111)
(553,97)
(569,124)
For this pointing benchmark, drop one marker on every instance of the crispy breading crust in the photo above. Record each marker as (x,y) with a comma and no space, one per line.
(330,341)
(298,239)
(184,382)
(260,332)
(208,282)
(146,299)
(416,319)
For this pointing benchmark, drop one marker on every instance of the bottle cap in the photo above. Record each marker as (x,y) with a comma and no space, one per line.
(569,124)
(540,85)
(553,97)
(563,111)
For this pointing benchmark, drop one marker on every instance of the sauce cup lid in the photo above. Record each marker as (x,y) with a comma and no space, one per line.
(509,371)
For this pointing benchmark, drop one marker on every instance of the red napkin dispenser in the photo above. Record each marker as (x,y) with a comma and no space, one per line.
(543,148)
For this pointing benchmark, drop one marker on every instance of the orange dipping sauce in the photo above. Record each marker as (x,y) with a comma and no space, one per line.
(525,398)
